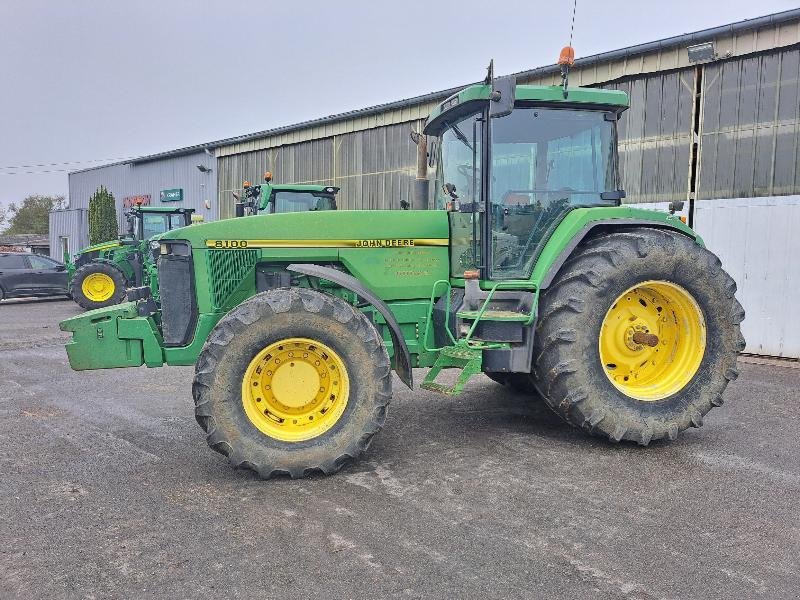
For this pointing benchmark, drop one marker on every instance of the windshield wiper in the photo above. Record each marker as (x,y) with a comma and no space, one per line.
(460,135)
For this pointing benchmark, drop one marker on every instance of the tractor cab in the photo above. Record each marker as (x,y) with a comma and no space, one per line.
(512,160)
(145,222)
(272,198)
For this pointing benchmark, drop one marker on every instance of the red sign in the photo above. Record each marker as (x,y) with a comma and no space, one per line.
(130,201)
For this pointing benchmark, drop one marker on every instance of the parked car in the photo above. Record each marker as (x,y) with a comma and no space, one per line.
(26,274)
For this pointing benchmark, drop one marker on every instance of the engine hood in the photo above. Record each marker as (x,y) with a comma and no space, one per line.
(383,228)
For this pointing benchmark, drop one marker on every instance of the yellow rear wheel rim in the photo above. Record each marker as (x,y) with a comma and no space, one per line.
(652,340)
(98,287)
(295,389)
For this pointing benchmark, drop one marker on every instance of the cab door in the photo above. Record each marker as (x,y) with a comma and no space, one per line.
(458,190)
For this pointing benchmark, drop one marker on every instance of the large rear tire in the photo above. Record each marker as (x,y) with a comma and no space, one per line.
(292,382)
(98,284)
(638,336)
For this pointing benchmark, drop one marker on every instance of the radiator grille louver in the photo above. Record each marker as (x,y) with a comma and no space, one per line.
(226,269)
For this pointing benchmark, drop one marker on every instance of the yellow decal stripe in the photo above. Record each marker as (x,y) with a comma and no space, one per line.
(106,247)
(367,243)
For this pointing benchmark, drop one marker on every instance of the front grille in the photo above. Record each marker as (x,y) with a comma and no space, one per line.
(178,299)
(226,270)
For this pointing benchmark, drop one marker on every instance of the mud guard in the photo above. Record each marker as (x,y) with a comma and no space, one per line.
(578,238)
(402,358)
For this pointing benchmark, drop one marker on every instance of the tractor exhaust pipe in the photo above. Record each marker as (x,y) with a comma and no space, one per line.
(420,191)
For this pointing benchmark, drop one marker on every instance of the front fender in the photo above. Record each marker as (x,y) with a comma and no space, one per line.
(402,357)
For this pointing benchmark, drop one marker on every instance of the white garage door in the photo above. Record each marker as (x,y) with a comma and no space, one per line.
(758,240)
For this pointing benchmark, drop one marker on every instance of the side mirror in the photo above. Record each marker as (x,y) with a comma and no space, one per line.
(501,100)
(676,206)
(60,268)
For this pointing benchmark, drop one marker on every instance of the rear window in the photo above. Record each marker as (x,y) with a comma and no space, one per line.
(13,261)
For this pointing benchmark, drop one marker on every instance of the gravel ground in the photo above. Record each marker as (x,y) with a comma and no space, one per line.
(109,491)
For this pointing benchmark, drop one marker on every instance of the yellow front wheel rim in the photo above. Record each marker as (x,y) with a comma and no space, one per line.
(652,340)
(295,389)
(98,287)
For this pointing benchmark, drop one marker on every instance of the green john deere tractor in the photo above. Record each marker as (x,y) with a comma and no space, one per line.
(531,272)
(271,198)
(100,274)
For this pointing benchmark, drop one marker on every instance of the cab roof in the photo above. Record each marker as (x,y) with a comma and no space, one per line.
(472,96)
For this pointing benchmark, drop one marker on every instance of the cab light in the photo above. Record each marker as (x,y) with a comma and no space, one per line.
(567,56)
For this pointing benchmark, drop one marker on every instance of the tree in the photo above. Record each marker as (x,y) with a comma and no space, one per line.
(32,215)
(102,217)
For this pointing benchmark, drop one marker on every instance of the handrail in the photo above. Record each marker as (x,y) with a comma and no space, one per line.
(466,339)
(529,321)
(480,313)
(429,320)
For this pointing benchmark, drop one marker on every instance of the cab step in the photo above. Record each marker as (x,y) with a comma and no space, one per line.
(460,356)
(494,315)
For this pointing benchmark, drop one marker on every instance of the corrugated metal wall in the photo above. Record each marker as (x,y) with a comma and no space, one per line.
(375,168)
(71,224)
(655,136)
(750,125)
(132,179)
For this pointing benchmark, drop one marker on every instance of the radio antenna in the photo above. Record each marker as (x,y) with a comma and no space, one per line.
(567,57)
(572,27)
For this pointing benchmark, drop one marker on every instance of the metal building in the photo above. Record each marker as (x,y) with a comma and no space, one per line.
(69,231)
(185,177)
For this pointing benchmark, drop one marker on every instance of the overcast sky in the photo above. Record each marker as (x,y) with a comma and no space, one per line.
(83,80)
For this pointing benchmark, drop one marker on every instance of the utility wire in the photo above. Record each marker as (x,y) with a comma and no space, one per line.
(35,172)
(69,162)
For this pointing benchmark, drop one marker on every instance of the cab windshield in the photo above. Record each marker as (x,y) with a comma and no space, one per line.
(157,223)
(284,202)
(545,162)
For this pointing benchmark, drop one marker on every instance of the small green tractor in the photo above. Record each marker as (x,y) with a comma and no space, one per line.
(100,274)
(530,270)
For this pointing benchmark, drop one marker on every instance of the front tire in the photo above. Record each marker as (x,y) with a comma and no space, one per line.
(292,382)
(670,293)
(97,284)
